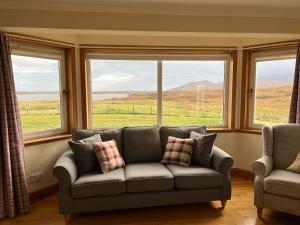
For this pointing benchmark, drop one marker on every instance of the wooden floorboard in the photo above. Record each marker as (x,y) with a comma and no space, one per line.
(239,211)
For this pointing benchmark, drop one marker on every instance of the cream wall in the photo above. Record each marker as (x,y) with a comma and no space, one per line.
(41,158)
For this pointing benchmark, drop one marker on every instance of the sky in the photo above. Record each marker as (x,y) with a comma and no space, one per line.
(277,70)
(124,75)
(37,74)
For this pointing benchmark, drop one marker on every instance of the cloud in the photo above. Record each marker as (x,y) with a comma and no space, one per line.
(278,70)
(35,74)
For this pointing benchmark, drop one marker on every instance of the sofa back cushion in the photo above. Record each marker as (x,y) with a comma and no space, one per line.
(182,132)
(106,134)
(286,144)
(141,144)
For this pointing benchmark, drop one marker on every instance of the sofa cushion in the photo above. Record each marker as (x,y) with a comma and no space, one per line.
(143,177)
(295,167)
(195,177)
(203,148)
(141,144)
(283,182)
(85,157)
(106,134)
(108,156)
(179,132)
(97,184)
(286,144)
(178,151)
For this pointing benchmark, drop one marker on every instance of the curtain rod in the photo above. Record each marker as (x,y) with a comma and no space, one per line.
(34,39)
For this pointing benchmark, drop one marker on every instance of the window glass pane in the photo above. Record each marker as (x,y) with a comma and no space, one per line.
(274,84)
(193,92)
(37,82)
(123,92)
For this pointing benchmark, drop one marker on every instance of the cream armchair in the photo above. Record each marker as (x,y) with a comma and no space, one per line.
(276,187)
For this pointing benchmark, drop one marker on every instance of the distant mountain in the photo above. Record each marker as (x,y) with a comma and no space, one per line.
(193,86)
(272,84)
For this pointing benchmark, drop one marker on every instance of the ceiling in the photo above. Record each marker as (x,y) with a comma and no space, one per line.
(245,8)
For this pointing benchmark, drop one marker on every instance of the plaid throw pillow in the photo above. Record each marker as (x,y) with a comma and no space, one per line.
(108,156)
(178,151)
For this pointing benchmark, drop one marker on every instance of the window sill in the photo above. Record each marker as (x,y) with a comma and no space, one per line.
(250,131)
(42,140)
(219,130)
(226,130)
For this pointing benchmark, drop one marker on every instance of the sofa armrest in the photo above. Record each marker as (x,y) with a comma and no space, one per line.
(65,169)
(221,161)
(263,166)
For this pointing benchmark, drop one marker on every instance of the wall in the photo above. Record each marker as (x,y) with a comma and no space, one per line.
(41,158)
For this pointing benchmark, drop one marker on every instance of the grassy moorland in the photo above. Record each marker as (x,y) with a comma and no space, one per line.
(179,108)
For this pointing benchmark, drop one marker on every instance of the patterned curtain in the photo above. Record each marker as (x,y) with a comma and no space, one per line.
(14,198)
(295,101)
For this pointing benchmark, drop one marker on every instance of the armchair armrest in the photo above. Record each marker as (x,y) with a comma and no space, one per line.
(263,166)
(221,161)
(65,169)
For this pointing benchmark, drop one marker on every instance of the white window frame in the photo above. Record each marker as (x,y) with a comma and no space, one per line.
(30,50)
(268,55)
(159,58)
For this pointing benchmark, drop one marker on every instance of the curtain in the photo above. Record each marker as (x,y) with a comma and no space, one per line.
(295,101)
(14,198)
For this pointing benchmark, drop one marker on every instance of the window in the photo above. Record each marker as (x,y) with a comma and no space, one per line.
(272,76)
(193,92)
(123,92)
(40,83)
(148,89)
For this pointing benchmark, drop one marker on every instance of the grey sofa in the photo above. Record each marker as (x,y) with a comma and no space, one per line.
(276,187)
(144,182)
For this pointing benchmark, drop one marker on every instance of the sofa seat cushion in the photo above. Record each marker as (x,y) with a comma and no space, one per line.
(195,177)
(99,184)
(143,177)
(283,182)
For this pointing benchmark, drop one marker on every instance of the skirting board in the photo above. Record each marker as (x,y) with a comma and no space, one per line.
(236,172)
(44,192)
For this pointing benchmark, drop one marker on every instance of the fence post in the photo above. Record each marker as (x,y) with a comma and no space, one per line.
(132,108)
(151,109)
(27,111)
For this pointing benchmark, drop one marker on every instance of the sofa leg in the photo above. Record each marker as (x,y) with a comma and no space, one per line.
(259,211)
(223,203)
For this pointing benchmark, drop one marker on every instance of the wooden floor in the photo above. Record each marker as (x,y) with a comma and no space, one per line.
(239,211)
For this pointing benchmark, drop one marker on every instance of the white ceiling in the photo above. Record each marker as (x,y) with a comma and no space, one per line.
(247,8)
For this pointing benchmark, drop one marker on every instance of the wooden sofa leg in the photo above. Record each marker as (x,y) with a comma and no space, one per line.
(223,203)
(259,211)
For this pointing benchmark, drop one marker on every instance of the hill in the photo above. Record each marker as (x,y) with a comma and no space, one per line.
(194,86)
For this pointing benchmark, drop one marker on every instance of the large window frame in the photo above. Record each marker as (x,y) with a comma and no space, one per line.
(250,57)
(66,57)
(229,56)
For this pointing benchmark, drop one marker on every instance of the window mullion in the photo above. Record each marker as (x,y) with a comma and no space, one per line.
(159,93)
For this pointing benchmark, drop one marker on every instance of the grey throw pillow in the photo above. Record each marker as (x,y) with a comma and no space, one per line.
(203,148)
(84,153)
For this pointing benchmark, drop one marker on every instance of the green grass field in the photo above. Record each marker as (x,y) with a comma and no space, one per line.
(178,109)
